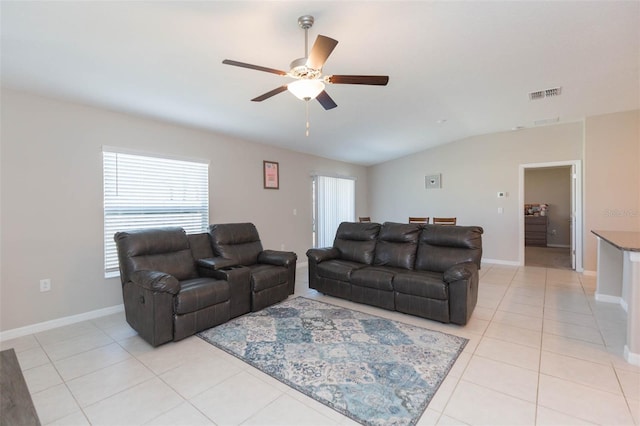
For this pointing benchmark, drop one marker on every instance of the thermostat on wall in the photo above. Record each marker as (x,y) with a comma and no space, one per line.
(433,181)
(502,194)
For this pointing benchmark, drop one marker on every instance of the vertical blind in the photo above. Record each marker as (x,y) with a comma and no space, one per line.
(148,192)
(335,203)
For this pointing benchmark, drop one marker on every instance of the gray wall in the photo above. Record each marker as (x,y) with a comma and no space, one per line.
(51,179)
(51,191)
(612,177)
(473,171)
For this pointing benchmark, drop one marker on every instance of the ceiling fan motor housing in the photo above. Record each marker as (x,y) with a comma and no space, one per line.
(299,69)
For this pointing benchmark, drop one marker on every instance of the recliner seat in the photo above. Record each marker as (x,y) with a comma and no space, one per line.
(165,298)
(271,273)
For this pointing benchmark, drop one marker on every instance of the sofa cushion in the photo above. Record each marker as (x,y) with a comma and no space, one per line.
(424,284)
(265,276)
(338,269)
(397,245)
(198,293)
(200,245)
(236,241)
(356,242)
(441,247)
(379,278)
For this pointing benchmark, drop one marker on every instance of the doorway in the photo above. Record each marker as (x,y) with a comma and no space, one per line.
(551,205)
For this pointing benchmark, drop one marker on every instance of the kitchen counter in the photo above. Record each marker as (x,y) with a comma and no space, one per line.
(619,281)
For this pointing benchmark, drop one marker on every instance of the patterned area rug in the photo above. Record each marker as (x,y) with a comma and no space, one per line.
(373,370)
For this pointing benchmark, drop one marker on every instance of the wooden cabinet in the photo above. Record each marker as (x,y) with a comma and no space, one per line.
(535,230)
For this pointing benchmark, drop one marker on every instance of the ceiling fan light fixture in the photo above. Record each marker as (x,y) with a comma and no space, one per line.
(306,89)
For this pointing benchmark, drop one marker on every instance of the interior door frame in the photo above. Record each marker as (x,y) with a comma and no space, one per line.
(576,214)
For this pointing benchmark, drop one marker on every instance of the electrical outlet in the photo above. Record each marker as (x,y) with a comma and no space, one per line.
(45,284)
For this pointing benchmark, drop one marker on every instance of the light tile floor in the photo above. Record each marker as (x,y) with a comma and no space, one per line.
(541,352)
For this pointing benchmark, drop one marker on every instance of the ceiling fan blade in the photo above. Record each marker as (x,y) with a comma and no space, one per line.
(270,94)
(253,67)
(320,51)
(326,101)
(373,80)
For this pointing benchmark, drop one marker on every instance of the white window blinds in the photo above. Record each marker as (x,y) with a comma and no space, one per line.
(335,203)
(148,192)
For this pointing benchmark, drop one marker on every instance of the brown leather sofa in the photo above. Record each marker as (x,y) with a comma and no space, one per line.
(175,285)
(429,271)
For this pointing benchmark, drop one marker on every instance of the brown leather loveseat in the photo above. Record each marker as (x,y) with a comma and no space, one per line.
(175,285)
(429,271)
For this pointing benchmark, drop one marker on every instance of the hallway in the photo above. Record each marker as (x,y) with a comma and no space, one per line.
(548,257)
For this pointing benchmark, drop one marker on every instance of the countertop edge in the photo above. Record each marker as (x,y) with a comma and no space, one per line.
(602,234)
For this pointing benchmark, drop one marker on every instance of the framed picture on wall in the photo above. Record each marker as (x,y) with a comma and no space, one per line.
(271,174)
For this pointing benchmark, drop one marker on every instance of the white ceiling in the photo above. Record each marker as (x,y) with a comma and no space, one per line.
(469,63)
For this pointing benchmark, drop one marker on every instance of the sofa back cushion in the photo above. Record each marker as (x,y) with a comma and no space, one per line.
(442,246)
(356,242)
(200,245)
(236,241)
(156,249)
(397,245)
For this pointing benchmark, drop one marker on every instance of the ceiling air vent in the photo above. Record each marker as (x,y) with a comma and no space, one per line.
(546,93)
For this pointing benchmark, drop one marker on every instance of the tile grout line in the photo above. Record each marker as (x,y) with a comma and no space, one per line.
(544,308)
(473,353)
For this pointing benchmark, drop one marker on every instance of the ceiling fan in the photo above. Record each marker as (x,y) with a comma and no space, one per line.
(307,71)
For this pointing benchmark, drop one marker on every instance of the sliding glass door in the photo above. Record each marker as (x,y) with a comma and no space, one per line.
(333,203)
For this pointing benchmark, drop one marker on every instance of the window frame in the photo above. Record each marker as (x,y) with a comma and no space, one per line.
(135,186)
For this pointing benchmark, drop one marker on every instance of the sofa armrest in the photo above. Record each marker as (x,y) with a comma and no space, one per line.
(463,291)
(215,263)
(460,271)
(318,255)
(278,258)
(156,281)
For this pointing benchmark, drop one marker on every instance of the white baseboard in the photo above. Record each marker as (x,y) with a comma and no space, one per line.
(608,299)
(632,358)
(59,322)
(501,262)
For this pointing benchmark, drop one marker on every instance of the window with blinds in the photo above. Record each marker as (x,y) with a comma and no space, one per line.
(149,192)
(334,199)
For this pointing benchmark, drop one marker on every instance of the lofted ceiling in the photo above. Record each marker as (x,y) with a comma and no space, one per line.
(457,69)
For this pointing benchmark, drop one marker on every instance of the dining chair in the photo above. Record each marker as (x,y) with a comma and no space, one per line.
(364,219)
(418,219)
(444,220)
